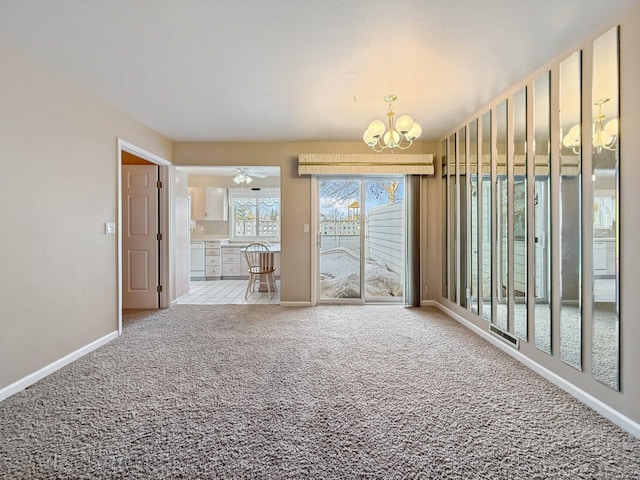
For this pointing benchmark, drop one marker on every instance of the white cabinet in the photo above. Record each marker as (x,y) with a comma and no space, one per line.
(604,257)
(208,203)
(234,263)
(213,260)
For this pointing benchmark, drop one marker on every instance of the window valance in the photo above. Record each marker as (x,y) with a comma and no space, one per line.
(363,164)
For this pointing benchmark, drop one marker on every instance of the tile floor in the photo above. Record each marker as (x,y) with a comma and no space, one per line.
(225,292)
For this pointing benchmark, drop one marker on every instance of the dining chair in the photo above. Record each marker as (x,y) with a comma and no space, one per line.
(261,268)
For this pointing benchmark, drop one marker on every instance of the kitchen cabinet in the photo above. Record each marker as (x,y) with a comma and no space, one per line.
(234,263)
(208,203)
(604,257)
(212,260)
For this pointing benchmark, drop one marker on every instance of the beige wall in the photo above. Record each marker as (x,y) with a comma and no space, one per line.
(627,401)
(295,191)
(58,147)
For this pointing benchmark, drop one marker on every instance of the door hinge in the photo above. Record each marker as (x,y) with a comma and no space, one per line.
(159,184)
(159,288)
(159,236)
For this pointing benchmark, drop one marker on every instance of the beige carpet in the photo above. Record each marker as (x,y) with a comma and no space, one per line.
(327,392)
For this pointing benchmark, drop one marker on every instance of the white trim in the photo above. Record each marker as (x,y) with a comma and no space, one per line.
(165,255)
(315,254)
(429,303)
(622,421)
(32,378)
(295,304)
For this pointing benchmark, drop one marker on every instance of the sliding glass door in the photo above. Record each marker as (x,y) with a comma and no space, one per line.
(361,239)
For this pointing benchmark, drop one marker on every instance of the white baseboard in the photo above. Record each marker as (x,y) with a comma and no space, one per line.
(429,303)
(32,378)
(295,304)
(624,422)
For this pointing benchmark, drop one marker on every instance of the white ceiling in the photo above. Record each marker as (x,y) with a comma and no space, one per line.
(296,70)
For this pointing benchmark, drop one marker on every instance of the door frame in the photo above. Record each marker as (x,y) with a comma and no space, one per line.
(316,239)
(164,217)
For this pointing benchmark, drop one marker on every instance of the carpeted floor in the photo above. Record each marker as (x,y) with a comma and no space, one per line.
(328,392)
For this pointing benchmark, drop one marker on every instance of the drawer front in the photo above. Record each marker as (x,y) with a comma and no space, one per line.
(212,271)
(230,258)
(232,250)
(210,261)
(211,251)
(212,244)
(233,270)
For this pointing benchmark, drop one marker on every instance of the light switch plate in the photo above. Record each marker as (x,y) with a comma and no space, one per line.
(109,228)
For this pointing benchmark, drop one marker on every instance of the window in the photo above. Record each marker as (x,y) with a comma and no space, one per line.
(255,214)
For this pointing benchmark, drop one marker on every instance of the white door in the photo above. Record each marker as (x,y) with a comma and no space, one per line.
(140,260)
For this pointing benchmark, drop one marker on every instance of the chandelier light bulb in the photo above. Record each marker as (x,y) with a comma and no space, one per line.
(414,132)
(404,124)
(368,138)
(376,128)
(603,135)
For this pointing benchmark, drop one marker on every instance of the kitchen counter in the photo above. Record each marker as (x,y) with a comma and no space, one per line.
(209,238)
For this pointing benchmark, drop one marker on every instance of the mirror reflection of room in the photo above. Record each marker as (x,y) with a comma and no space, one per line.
(605,178)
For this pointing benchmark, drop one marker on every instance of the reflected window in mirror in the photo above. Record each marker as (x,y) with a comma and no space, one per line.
(570,212)
(542,316)
(502,227)
(520,205)
(605,173)
(473,216)
(486,206)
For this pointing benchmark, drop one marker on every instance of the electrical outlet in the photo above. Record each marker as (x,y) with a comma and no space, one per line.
(109,228)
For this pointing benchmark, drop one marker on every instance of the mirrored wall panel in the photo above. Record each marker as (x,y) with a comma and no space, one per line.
(502,227)
(605,176)
(486,207)
(473,216)
(445,220)
(570,212)
(520,213)
(542,212)
(453,220)
(462,181)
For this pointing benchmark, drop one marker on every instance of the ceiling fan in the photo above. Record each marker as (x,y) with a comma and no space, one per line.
(246,175)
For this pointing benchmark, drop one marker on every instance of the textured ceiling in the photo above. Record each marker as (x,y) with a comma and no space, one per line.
(297,70)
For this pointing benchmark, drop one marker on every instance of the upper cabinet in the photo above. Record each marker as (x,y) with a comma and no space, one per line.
(208,203)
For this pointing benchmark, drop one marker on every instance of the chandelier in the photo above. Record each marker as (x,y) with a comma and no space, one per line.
(605,135)
(398,133)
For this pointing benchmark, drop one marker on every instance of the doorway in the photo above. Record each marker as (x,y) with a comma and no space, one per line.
(145,268)
(361,239)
